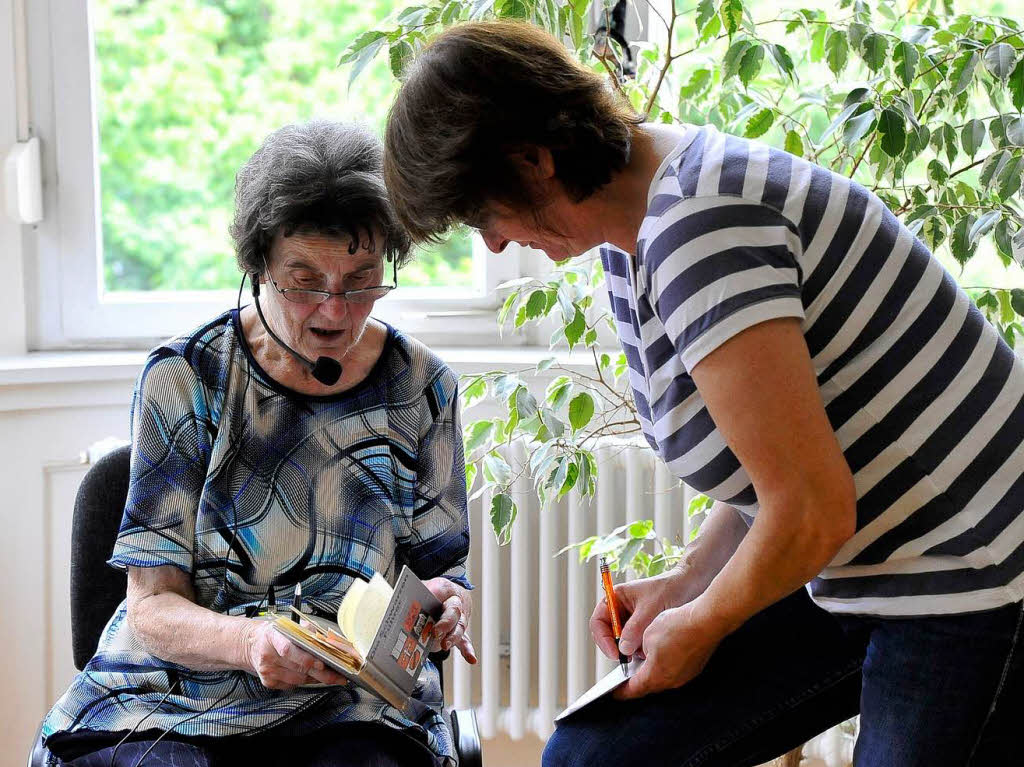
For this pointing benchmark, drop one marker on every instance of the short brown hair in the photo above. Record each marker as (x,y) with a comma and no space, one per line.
(479,91)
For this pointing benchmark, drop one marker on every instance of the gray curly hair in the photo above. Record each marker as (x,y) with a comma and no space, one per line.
(319,177)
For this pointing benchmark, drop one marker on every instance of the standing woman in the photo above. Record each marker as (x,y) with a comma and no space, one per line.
(799,356)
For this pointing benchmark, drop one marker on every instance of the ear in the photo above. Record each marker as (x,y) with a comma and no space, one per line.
(535,163)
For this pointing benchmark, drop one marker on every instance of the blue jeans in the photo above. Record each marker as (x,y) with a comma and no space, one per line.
(941,692)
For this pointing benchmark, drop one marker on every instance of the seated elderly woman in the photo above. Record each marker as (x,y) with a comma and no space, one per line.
(251,473)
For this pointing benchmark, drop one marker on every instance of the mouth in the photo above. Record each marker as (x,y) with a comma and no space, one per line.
(327,334)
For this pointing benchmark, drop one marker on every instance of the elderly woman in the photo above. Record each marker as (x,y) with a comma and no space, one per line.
(251,474)
(800,357)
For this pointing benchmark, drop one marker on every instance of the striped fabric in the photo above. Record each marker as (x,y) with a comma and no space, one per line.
(926,399)
(245,485)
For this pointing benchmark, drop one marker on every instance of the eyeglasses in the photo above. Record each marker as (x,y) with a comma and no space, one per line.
(357,296)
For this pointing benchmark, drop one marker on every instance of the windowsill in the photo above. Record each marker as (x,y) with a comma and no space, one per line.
(69,367)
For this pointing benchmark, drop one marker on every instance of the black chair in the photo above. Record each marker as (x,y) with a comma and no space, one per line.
(97,590)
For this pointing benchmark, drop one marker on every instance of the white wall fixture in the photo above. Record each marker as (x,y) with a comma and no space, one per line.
(23,182)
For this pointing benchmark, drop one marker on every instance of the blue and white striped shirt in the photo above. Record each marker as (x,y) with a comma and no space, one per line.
(926,400)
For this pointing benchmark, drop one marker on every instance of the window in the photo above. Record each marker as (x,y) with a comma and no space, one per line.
(146,111)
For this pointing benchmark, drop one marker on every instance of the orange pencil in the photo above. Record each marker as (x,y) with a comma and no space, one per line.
(613,612)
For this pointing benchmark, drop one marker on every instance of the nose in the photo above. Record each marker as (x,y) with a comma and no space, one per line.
(494,243)
(334,308)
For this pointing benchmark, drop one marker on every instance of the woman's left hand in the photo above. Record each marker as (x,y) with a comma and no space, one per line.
(450,629)
(676,647)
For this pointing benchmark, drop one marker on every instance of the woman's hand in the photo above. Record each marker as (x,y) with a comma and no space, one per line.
(640,602)
(450,629)
(676,647)
(278,663)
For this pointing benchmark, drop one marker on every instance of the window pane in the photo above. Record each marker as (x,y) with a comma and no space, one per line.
(187,90)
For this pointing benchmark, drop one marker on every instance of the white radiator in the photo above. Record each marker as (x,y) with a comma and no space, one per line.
(530,624)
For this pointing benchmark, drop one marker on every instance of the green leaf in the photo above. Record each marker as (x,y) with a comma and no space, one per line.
(874,50)
(526,403)
(999,60)
(962,73)
(498,468)
(477,434)
(470,477)
(575,329)
(1017,301)
(551,422)
(893,130)
(630,550)
(365,56)
(950,142)
(506,307)
(1002,239)
(558,391)
(705,12)
(697,84)
(399,55)
(858,126)
(972,136)
(1009,179)
(356,47)
(983,226)
(750,64)
(474,392)
(759,124)
(731,13)
(858,32)
(1016,85)
(512,9)
(938,173)
(535,304)
(503,514)
(642,529)
(782,59)
(961,245)
(733,57)
(840,120)
(993,166)
(581,410)
(794,144)
(838,51)
(906,57)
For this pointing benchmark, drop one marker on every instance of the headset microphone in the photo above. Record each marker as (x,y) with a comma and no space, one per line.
(326,370)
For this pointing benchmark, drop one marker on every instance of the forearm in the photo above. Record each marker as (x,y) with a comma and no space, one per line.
(178,630)
(783,550)
(720,536)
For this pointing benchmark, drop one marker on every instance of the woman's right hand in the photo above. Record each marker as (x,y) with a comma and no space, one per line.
(640,602)
(278,663)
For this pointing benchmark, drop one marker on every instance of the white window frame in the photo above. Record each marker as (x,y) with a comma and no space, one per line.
(64,279)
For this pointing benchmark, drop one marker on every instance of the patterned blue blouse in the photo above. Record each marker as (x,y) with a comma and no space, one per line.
(245,484)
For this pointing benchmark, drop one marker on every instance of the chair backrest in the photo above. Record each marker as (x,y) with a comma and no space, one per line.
(96,588)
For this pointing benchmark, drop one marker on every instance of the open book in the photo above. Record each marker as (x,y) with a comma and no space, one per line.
(604,686)
(381,639)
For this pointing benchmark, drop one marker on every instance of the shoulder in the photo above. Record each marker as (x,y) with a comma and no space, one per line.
(201,355)
(422,371)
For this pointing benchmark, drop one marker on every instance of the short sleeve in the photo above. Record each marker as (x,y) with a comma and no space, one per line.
(171,442)
(715,266)
(440,524)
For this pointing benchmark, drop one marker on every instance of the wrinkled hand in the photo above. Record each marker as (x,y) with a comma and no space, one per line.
(677,647)
(450,629)
(278,663)
(640,602)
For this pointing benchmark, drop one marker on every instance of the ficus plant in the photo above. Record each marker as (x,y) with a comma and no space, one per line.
(918,102)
